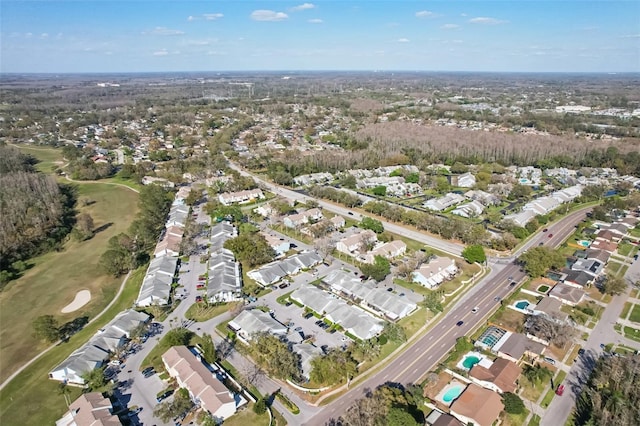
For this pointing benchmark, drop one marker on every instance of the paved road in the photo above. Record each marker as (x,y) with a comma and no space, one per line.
(425,352)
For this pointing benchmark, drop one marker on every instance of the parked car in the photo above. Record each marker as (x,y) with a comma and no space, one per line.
(164,395)
(308,315)
(550,360)
(200,286)
(199,299)
(560,390)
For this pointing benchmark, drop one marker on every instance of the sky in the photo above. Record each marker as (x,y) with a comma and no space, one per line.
(223,35)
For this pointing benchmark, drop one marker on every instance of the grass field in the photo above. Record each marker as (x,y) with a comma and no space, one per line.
(49,158)
(31,398)
(635,314)
(55,277)
(626,309)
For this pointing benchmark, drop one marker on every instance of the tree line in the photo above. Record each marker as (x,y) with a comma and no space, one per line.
(37,213)
(127,251)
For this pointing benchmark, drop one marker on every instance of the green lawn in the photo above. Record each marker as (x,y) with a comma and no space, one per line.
(49,158)
(248,417)
(631,333)
(200,312)
(624,249)
(626,309)
(36,397)
(55,277)
(635,314)
(535,420)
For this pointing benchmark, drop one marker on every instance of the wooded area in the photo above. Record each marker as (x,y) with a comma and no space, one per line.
(37,212)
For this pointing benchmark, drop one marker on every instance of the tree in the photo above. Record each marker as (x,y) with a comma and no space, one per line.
(400,417)
(84,226)
(378,270)
(260,407)
(46,327)
(512,403)
(95,381)
(275,356)
(394,332)
(552,329)
(181,403)
(538,260)
(208,348)
(178,337)
(379,190)
(474,253)
(335,366)
(614,285)
(251,248)
(195,195)
(372,224)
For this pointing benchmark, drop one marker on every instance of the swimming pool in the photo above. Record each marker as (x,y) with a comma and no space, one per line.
(452,393)
(491,336)
(584,243)
(470,361)
(522,304)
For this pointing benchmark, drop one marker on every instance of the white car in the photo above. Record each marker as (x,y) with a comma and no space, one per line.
(475,310)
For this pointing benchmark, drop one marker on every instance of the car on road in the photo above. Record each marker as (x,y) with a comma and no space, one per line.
(475,310)
(350,213)
(560,390)
(512,284)
(389,289)
(497,298)
(545,229)
(550,235)
(459,323)
(298,329)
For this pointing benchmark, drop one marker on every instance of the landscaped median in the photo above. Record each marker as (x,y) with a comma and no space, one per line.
(37,399)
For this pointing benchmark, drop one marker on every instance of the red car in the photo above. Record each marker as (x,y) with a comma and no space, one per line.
(560,390)
(550,235)
(198,299)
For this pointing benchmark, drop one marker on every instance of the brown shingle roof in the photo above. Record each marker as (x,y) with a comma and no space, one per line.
(503,373)
(481,405)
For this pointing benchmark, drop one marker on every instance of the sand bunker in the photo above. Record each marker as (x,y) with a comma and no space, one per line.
(82,298)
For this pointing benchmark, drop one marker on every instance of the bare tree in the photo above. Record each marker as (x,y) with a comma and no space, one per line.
(551,328)
(324,246)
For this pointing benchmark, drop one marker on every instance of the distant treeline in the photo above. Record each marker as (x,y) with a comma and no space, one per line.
(36,212)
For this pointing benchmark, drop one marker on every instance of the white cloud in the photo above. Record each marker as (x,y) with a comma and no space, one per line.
(487,21)
(268,15)
(304,6)
(631,36)
(315,21)
(28,35)
(191,18)
(212,16)
(425,14)
(450,27)
(162,52)
(164,31)
(403,40)
(44,35)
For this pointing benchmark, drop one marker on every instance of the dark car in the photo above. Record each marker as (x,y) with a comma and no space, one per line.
(164,395)
(550,235)
(545,230)
(512,284)
(459,323)
(308,315)
(580,351)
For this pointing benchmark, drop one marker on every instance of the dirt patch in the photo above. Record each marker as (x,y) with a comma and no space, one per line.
(82,298)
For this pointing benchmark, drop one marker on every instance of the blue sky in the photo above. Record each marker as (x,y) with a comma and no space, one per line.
(219,35)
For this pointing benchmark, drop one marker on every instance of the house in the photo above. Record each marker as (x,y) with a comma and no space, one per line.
(253,321)
(387,305)
(387,181)
(148,180)
(590,266)
(156,286)
(305,180)
(578,278)
(99,348)
(607,235)
(203,385)
(337,222)
(240,197)
(90,409)
(542,205)
(550,308)
(219,234)
(500,377)
(599,255)
(307,352)
(170,243)
(483,197)
(568,294)
(618,231)
(608,246)
(477,406)
(273,272)
(279,245)
(435,272)
(353,319)
(443,203)
(387,250)
(522,218)
(438,418)
(515,345)
(225,280)
(353,244)
(297,220)
(469,210)
(178,215)
(465,180)
(265,210)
